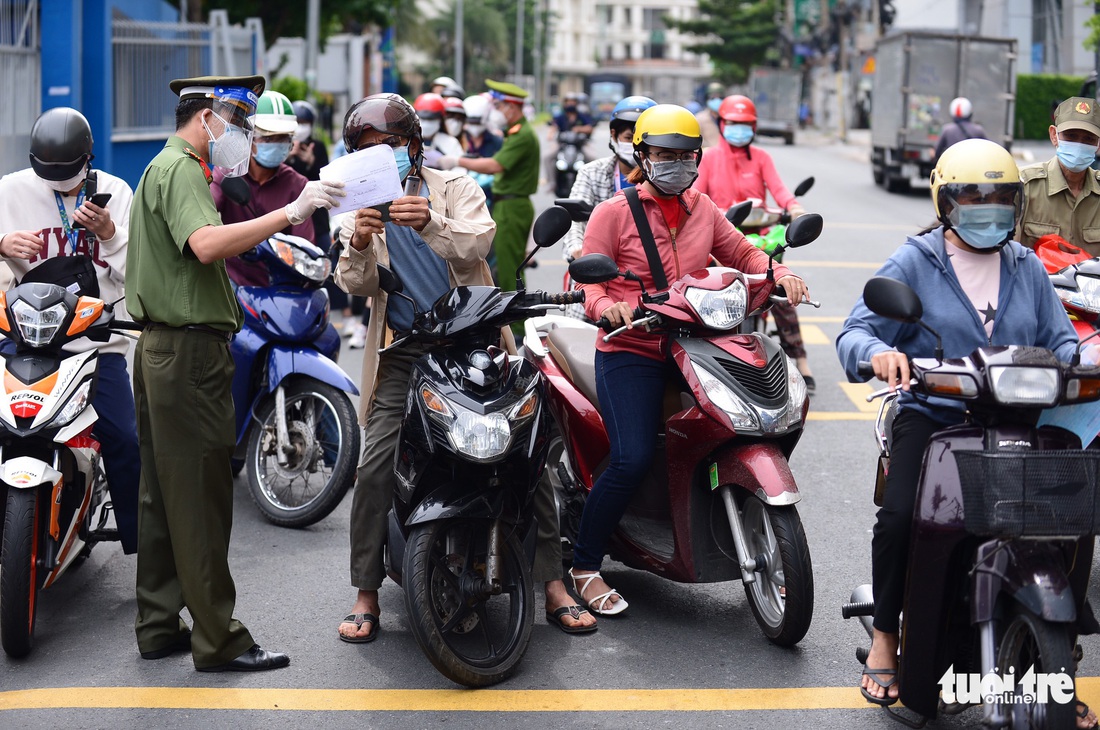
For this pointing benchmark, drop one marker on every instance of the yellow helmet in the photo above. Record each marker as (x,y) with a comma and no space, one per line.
(670,126)
(978,171)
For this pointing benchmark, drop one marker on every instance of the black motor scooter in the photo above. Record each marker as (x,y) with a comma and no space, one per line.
(470,454)
(1005,513)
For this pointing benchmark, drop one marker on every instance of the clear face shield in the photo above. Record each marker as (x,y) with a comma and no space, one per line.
(984,215)
(236,108)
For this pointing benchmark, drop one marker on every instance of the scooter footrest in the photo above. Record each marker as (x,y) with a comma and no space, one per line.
(849,610)
(104,535)
(906,717)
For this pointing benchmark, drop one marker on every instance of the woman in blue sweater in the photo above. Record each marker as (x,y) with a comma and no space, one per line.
(978,288)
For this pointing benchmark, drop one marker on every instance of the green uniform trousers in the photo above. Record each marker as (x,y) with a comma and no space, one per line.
(182,390)
(513,217)
(374,486)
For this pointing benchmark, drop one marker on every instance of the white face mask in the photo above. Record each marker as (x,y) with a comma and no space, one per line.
(475,130)
(497,120)
(625,151)
(232,150)
(454,127)
(429,128)
(302,133)
(64,186)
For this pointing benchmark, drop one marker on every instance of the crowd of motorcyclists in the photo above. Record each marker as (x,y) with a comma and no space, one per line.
(469,165)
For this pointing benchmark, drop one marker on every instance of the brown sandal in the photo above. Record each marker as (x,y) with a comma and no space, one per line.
(359,619)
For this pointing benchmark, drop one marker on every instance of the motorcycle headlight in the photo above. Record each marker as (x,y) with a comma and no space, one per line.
(480,437)
(38,327)
(314,269)
(578,165)
(561,164)
(1024,386)
(723,309)
(78,401)
(796,397)
(1087,296)
(740,413)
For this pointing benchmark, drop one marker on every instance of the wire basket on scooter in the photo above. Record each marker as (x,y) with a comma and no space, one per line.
(1031,493)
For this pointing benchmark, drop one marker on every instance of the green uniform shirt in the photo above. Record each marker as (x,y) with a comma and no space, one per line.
(1049,207)
(165,281)
(520,159)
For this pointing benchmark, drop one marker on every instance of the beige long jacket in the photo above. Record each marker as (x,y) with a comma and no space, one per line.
(460,230)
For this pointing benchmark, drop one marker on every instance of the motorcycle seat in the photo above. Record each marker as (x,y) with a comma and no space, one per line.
(574,350)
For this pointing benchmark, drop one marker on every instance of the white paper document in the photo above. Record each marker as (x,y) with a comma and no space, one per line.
(369,177)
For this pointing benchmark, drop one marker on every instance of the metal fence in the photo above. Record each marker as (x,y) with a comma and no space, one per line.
(148,55)
(20,77)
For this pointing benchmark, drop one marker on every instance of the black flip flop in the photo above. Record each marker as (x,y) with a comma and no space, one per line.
(359,619)
(1083,712)
(574,611)
(875,674)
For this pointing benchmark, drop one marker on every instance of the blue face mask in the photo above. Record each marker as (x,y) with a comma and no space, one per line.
(1076,156)
(404,164)
(271,154)
(738,135)
(984,226)
(713,104)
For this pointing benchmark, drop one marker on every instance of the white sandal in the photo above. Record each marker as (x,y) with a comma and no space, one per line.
(597,604)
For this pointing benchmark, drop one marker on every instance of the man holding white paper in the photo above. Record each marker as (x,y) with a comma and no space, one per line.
(433,237)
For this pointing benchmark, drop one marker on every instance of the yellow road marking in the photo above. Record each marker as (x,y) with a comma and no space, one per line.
(839,416)
(451,700)
(857,393)
(456,700)
(812,335)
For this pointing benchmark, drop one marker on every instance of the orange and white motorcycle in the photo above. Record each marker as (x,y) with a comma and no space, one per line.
(52,484)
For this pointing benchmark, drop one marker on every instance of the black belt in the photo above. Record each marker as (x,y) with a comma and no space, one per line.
(224,334)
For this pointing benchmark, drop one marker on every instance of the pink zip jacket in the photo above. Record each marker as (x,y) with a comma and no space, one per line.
(703,231)
(728,176)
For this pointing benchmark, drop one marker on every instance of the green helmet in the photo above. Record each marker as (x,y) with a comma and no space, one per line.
(275,114)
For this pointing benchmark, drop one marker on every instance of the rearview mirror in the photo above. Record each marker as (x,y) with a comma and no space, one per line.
(236,189)
(804,229)
(804,187)
(579,210)
(388,281)
(738,213)
(595,268)
(551,226)
(892,299)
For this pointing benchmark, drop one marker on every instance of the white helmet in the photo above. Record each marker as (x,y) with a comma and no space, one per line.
(444,81)
(961,108)
(477,109)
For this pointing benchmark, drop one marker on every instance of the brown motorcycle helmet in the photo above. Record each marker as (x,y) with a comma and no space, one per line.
(388,114)
(61,144)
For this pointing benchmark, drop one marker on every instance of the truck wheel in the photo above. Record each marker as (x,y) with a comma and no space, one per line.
(878,175)
(895,184)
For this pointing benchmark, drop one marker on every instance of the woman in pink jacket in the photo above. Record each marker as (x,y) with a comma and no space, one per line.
(736,171)
(632,368)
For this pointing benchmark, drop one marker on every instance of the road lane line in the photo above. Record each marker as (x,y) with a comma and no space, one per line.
(857,393)
(813,335)
(819,319)
(840,416)
(451,700)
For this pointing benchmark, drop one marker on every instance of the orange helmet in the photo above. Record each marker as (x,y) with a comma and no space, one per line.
(429,106)
(738,109)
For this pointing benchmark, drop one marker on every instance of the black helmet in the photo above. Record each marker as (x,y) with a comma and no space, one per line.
(386,113)
(61,144)
(304,111)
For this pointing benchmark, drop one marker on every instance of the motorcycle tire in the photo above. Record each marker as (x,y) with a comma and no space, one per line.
(1030,642)
(458,630)
(19,572)
(782,596)
(274,488)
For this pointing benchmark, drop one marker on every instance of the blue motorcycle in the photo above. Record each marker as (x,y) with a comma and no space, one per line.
(297,435)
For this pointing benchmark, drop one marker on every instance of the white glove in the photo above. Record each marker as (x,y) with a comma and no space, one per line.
(447,163)
(316,194)
(432,157)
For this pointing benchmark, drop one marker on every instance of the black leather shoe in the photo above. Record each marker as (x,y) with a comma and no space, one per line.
(253,660)
(181,643)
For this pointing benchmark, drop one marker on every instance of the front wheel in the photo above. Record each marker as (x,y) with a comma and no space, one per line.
(782,596)
(1029,642)
(471,636)
(19,571)
(320,467)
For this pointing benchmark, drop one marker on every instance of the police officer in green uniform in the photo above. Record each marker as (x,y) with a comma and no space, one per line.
(1062,195)
(515,171)
(176,284)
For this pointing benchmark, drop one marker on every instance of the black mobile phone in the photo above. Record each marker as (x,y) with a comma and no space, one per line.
(100,199)
(91,186)
(384,209)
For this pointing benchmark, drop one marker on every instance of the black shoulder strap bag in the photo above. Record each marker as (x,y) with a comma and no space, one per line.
(656,268)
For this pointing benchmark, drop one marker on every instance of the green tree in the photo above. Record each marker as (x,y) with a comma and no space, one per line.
(288,17)
(736,34)
(485,42)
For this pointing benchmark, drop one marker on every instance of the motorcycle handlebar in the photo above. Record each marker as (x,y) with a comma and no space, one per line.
(567,297)
(865,369)
(606,325)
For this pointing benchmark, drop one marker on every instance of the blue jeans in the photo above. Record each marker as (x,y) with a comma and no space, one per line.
(631,390)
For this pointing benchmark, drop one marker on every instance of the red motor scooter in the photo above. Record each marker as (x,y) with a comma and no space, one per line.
(1075,275)
(719,501)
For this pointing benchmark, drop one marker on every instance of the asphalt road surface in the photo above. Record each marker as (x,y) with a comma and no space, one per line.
(686,656)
